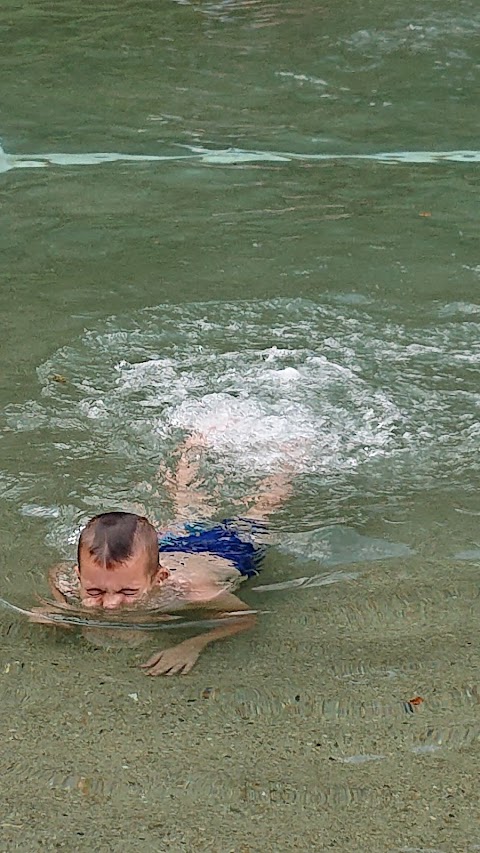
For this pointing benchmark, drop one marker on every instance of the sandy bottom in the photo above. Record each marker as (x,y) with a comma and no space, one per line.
(299,736)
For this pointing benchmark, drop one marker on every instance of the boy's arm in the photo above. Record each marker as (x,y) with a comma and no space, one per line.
(40,614)
(53,579)
(181,658)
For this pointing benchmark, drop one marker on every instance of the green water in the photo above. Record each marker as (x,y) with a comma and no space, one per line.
(361,277)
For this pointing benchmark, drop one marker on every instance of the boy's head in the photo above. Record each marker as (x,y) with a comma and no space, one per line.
(117,560)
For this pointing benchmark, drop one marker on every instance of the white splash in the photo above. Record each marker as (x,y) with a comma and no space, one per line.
(352,396)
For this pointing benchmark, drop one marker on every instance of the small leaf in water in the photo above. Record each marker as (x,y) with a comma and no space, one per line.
(84,786)
(58,377)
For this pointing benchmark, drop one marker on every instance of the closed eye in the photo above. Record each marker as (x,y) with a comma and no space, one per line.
(96,593)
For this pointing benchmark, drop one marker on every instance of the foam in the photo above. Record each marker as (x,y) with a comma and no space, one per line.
(259,405)
(432,32)
(353,397)
(227,157)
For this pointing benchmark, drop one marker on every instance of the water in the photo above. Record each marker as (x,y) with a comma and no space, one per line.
(257,220)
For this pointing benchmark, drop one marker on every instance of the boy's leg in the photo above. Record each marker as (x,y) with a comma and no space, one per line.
(272,493)
(184,483)
(190,501)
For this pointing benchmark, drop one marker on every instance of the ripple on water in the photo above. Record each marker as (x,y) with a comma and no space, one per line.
(439,31)
(352,395)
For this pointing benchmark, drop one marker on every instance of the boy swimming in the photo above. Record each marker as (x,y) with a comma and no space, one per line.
(123,562)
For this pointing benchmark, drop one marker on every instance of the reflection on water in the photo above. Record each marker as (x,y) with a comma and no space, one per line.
(56,614)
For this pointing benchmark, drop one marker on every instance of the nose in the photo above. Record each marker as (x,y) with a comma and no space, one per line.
(111,600)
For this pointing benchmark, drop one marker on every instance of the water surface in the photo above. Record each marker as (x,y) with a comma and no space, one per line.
(293,269)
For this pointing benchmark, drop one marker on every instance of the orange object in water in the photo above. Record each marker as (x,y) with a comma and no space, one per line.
(417,700)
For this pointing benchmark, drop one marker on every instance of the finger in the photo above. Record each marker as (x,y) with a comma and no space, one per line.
(153,671)
(151,661)
(163,669)
(160,669)
(181,668)
(178,669)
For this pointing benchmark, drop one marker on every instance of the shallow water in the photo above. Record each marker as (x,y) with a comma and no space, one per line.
(259,221)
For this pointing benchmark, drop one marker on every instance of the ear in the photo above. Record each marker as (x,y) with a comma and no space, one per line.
(161,575)
(77,571)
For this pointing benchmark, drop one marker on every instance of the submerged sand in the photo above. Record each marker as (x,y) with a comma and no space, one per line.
(300,736)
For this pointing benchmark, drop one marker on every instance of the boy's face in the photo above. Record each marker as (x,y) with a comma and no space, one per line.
(119,587)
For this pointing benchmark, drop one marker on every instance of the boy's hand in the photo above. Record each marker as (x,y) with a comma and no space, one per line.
(178,660)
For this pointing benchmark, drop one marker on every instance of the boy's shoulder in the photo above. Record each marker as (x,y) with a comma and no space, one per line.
(204,563)
(64,583)
(194,578)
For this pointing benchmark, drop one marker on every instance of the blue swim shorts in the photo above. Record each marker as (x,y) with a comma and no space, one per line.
(233,539)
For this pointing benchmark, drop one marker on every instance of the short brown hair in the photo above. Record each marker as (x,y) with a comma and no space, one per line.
(112,537)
